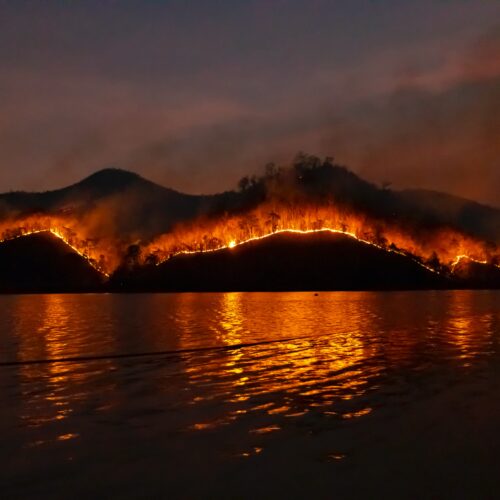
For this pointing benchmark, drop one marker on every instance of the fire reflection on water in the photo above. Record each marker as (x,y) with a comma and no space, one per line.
(258,362)
(52,390)
(229,331)
(46,335)
(470,332)
(298,372)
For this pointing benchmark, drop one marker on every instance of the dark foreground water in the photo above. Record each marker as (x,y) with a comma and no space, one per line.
(251,395)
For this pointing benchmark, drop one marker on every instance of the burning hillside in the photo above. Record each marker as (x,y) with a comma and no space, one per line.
(308,198)
(320,260)
(41,262)
(437,249)
(313,197)
(100,253)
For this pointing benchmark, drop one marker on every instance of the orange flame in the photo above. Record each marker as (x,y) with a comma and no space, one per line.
(100,254)
(433,249)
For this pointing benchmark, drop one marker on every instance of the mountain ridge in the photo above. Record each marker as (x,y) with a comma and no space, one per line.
(118,176)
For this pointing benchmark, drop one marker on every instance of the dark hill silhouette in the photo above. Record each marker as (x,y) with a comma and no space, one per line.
(43,263)
(110,180)
(286,261)
(98,185)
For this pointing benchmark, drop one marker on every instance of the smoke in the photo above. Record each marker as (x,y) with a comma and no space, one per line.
(434,128)
(436,131)
(196,113)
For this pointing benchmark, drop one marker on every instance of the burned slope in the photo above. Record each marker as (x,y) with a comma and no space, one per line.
(43,263)
(287,261)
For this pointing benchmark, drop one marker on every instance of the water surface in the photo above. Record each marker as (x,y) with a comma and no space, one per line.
(250,394)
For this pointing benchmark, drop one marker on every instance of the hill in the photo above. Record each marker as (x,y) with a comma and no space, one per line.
(286,261)
(43,263)
(281,262)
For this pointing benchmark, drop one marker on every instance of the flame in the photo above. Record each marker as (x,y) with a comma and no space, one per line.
(100,255)
(461,258)
(432,249)
(437,250)
(233,243)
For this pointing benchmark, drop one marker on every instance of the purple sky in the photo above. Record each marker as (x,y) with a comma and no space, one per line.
(196,94)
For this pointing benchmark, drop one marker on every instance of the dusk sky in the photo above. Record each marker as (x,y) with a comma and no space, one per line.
(196,94)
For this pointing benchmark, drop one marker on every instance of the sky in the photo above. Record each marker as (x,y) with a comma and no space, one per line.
(196,94)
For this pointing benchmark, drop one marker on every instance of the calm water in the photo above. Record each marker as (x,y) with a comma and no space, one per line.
(250,394)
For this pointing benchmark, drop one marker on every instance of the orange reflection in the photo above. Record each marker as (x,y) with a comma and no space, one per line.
(298,372)
(260,362)
(470,330)
(47,331)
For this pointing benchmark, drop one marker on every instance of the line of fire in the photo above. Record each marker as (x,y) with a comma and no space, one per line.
(440,251)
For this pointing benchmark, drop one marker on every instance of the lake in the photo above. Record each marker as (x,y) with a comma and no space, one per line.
(245,395)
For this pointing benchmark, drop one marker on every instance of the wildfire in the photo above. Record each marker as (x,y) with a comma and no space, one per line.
(58,234)
(98,255)
(233,243)
(460,258)
(436,250)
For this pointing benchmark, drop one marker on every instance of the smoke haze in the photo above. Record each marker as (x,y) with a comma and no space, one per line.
(194,97)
